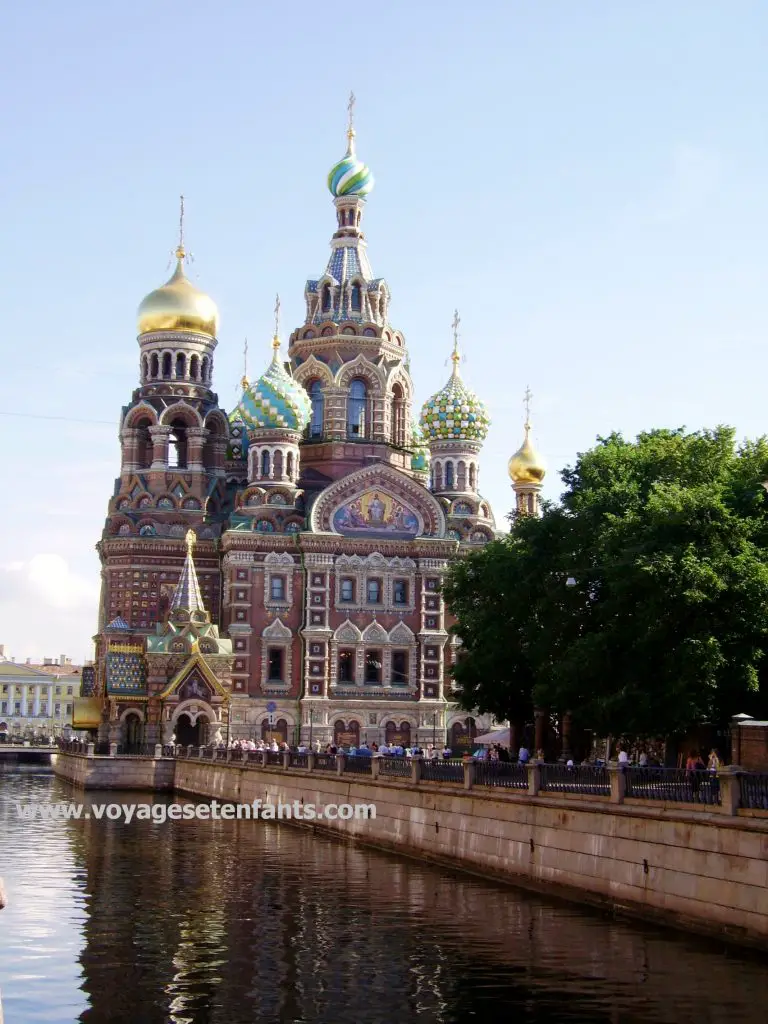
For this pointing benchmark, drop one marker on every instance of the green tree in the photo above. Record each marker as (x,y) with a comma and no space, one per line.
(640,602)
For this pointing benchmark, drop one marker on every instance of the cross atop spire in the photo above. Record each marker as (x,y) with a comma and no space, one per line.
(351,124)
(276,336)
(245,382)
(181,251)
(455,355)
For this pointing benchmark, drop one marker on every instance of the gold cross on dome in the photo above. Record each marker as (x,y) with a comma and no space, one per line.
(191,540)
(351,114)
(180,252)
(455,357)
(277,315)
(527,400)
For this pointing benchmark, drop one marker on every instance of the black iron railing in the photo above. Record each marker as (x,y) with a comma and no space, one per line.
(274,757)
(395,766)
(754,791)
(673,785)
(434,770)
(325,762)
(584,778)
(298,760)
(357,765)
(501,773)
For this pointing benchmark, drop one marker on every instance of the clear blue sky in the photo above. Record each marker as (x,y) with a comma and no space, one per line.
(585,181)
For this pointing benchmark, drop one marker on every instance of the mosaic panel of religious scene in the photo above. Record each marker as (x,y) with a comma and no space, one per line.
(376,512)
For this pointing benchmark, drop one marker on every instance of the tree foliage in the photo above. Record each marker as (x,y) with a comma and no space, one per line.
(664,542)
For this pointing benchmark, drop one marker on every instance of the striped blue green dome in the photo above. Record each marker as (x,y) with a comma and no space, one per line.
(274,401)
(350,176)
(454,414)
(420,451)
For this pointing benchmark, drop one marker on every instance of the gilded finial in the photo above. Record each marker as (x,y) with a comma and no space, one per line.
(455,355)
(527,401)
(351,124)
(180,250)
(191,540)
(245,382)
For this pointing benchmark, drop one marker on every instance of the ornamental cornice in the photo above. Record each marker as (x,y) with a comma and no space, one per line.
(160,545)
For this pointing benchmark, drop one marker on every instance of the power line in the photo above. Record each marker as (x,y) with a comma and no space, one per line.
(65,419)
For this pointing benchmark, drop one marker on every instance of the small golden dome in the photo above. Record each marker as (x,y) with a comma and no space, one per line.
(179,306)
(526,466)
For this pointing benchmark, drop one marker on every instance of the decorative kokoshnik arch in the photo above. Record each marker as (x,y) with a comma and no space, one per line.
(362,502)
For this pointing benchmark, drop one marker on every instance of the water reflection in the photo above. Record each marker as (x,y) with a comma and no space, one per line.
(191,922)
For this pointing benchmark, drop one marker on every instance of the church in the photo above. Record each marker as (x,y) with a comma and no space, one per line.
(276,570)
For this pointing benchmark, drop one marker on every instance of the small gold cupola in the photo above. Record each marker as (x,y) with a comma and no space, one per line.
(526,466)
(178,305)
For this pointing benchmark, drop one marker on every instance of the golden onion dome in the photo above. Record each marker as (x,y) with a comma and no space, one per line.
(179,306)
(526,466)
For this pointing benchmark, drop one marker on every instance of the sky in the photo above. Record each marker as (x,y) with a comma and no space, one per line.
(585,182)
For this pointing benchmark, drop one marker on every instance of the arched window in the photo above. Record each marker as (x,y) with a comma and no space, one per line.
(356,404)
(472,476)
(289,465)
(177,445)
(277,464)
(357,298)
(448,476)
(318,403)
(265,464)
(194,368)
(154,366)
(437,477)
(398,416)
(180,367)
(144,368)
(205,369)
(326,298)
(461,476)
(166,365)
(143,443)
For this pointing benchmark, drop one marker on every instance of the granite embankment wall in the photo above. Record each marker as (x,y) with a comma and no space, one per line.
(701,869)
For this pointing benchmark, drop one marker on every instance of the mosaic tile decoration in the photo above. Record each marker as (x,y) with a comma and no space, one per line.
(126,673)
(88,681)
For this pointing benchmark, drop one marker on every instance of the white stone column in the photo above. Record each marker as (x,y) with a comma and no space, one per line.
(36,708)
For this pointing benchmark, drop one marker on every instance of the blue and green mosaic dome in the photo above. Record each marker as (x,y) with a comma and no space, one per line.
(350,176)
(454,414)
(274,401)
(420,456)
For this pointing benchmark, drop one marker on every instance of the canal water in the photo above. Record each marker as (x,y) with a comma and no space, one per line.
(241,922)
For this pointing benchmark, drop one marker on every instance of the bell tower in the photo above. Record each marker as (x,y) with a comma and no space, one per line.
(173,438)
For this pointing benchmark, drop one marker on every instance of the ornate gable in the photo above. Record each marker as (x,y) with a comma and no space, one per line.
(195,674)
(378,501)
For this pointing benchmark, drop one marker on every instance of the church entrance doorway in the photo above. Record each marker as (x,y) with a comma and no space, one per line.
(133,730)
(187,734)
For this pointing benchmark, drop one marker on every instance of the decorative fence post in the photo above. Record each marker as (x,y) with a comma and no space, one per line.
(113,750)
(340,759)
(158,750)
(534,778)
(416,770)
(375,759)
(311,761)
(469,773)
(286,759)
(91,750)
(618,779)
(729,781)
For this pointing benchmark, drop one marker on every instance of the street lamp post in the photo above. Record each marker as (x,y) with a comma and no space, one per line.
(434,728)
(311,723)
